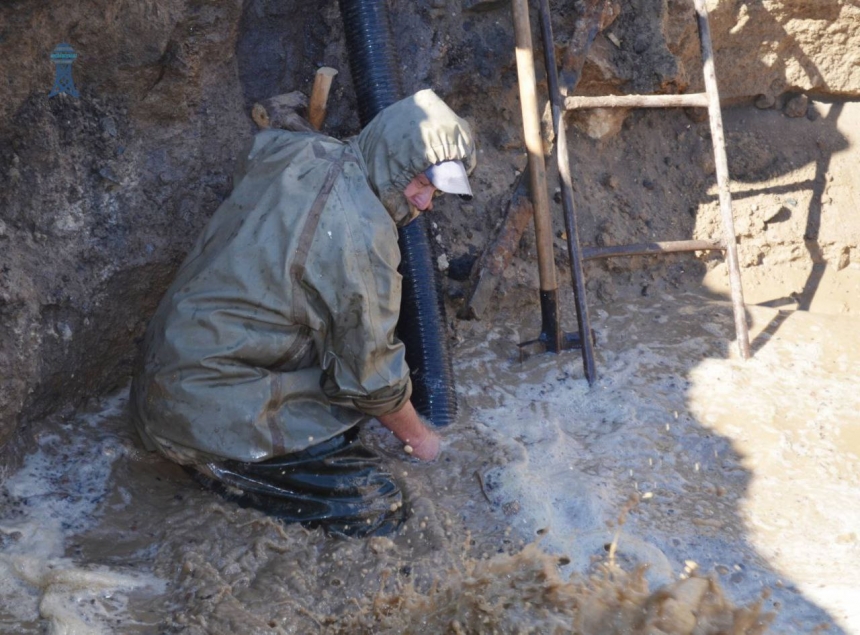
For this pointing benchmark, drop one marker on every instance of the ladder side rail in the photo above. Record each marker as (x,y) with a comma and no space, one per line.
(723,185)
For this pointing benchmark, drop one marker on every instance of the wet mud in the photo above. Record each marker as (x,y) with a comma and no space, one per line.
(665,499)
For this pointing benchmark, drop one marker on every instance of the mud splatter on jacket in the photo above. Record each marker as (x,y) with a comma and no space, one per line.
(278,331)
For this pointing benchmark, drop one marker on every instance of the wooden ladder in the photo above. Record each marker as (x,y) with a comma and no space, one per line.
(710,99)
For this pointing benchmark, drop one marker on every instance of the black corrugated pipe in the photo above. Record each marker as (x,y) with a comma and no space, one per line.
(422,325)
(371,56)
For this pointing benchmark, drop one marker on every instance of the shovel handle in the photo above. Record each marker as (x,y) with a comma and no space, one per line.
(534,144)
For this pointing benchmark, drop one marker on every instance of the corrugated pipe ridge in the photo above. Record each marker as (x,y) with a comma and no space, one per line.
(422,327)
(422,314)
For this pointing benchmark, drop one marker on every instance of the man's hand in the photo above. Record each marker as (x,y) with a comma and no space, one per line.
(409,428)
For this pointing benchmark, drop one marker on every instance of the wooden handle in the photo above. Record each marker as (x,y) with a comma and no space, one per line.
(319,96)
(534,145)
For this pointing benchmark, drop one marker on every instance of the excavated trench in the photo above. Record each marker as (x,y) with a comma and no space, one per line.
(686,491)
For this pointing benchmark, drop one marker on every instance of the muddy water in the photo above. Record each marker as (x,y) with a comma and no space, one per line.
(671,491)
(60,491)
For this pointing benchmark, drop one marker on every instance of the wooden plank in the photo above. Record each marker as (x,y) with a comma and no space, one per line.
(488,270)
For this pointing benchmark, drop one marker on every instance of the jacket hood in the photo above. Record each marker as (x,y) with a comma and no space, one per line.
(405,139)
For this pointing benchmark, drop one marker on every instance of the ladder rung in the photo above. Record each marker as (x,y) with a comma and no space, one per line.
(650,249)
(693,100)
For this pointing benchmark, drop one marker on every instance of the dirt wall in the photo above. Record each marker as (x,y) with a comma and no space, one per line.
(101,196)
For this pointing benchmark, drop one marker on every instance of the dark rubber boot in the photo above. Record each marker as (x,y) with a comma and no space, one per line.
(340,485)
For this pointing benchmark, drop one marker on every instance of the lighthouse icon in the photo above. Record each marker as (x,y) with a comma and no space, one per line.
(63,56)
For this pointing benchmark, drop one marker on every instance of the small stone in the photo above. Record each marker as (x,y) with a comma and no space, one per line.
(108,174)
(380,544)
(696,115)
(108,126)
(601,123)
(454,290)
(460,268)
(511,508)
(408,449)
(797,106)
(707,163)
(765,101)
(844,539)
(675,617)
(442,262)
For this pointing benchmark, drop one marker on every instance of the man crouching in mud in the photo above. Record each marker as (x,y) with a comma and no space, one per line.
(276,340)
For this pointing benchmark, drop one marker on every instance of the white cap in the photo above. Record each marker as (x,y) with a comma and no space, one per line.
(449,177)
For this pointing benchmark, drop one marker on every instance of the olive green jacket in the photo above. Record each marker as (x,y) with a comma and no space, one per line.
(278,331)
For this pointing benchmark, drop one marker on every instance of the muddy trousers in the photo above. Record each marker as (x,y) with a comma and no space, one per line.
(340,485)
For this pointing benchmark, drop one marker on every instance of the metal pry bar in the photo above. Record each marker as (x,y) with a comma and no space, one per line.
(573,248)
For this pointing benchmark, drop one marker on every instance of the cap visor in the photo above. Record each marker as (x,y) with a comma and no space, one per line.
(450,177)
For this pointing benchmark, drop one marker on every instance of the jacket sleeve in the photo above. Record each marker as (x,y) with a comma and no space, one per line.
(353,289)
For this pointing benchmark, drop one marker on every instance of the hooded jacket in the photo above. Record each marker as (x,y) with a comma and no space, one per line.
(278,331)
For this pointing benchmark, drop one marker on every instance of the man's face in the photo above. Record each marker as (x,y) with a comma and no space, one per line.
(420,192)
